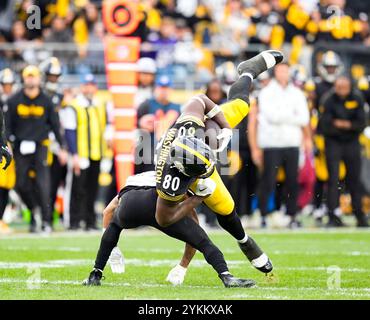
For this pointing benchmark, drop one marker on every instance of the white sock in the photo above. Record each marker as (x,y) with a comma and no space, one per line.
(226,272)
(269,59)
(246,74)
(244,240)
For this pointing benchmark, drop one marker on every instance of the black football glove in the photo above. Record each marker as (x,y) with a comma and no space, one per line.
(5,152)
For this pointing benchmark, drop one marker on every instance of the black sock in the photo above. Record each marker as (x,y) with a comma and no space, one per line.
(232,224)
(213,256)
(108,242)
(240,89)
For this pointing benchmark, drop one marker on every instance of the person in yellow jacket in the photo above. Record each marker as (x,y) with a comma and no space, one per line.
(7,178)
(84,123)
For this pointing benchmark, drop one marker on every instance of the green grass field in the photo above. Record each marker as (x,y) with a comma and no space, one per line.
(305,262)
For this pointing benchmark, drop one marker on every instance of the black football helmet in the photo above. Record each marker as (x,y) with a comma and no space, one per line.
(192,157)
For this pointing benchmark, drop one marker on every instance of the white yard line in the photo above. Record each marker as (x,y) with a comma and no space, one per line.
(181,250)
(156,263)
(152,231)
(354,292)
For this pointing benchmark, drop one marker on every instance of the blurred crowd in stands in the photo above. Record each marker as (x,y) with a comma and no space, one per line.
(183,36)
(303,149)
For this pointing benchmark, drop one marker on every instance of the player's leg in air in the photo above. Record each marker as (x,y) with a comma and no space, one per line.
(136,207)
(235,111)
(169,204)
(237,106)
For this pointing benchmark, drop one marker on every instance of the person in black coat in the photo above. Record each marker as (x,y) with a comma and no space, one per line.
(342,121)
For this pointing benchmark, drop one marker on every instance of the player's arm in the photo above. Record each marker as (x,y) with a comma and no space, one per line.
(200,106)
(168,212)
(109,211)
(189,250)
(177,274)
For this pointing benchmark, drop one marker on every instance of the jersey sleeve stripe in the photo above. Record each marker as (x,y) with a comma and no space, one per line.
(170,198)
(185,118)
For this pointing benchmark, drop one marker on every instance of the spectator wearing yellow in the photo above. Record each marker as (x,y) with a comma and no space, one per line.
(7,178)
(341,25)
(233,29)
(83,24)
(265,26)
(84,122)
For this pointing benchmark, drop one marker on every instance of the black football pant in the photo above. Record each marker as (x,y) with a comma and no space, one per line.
(83,195)
(319,193)
(137,208)
(273,158)
(350,153)
(25,185)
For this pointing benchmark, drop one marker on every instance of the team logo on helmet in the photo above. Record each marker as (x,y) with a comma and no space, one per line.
(192,157)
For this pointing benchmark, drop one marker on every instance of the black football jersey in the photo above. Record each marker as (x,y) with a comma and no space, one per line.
(171,184)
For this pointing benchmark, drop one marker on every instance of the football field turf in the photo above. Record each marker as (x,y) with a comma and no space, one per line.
(323,264)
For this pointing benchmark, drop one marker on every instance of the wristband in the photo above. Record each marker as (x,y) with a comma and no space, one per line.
(214,111)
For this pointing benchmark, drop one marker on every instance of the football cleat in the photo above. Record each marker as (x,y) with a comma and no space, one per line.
(362,222)
(256,256)
(335,222)
(33,227)
(94,278)
(260,63)
(230,281)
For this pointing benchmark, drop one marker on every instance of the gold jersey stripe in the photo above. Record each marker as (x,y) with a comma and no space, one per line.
(184,118)
(193,152)
(170,198)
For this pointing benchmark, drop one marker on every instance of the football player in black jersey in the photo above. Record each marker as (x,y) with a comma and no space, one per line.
(52,71)
(329,69)
(185,164)
(135,206)
(178,164)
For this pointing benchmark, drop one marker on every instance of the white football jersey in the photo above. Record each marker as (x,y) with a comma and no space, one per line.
(145,179)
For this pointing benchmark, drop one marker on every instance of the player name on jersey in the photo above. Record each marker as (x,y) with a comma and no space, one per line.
(165,150)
